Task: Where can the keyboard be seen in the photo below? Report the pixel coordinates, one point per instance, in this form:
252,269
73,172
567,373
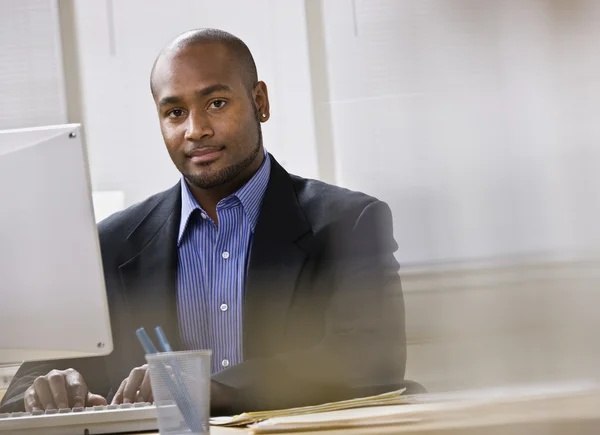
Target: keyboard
111,419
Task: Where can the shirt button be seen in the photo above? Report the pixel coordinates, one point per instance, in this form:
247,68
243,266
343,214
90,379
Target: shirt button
203,215
225,363
225,255
223,307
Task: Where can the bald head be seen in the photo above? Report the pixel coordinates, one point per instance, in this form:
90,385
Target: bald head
236,48
210,105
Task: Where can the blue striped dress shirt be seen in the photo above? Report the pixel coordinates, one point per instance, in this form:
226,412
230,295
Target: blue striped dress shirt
212,268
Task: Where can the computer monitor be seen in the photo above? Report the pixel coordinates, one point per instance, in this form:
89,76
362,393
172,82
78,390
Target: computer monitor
53,301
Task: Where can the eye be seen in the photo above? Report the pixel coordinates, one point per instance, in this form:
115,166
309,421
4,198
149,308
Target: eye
175,113
217,104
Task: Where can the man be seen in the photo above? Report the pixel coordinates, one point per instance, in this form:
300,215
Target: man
291,282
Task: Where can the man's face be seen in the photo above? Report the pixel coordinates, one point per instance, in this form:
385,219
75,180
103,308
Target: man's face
209,120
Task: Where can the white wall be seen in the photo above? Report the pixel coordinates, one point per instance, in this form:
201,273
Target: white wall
476,120
117,42
31,75
489,324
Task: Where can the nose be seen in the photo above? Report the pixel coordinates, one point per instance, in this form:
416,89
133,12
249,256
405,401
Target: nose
198,127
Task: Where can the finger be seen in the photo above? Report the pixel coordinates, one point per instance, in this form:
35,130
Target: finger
76,389
133,384
138,397
151,398
118,397
42,389
95,400
145,388
58,387
32,403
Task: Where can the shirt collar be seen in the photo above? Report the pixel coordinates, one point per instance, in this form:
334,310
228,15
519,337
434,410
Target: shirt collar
250,195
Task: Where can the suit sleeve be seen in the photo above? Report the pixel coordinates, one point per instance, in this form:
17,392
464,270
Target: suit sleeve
364,348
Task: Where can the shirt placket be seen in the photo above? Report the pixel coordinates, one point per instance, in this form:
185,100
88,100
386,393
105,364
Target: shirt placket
224,288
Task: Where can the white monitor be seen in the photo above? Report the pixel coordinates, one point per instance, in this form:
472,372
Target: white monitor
53,300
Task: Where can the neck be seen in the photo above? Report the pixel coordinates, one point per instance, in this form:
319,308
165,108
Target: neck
209,198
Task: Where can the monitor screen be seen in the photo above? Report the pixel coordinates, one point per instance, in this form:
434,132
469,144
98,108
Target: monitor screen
53,301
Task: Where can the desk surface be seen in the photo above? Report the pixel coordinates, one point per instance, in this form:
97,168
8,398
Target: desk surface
585,427
577,415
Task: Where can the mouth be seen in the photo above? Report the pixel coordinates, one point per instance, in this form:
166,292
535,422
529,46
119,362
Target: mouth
205,155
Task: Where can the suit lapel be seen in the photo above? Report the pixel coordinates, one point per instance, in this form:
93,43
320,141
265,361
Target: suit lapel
149,273
277,256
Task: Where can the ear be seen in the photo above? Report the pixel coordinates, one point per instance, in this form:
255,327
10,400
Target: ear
260,95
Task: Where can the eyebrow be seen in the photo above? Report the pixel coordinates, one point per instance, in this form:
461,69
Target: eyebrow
211,89
200,93
168,100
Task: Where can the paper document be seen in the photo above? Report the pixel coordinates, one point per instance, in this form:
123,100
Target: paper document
484,407
340,419
391,398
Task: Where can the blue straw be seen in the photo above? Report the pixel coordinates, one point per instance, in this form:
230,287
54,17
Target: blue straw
178,392
145,341
162,340
166,347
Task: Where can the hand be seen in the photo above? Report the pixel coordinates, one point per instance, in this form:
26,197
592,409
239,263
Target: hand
135,388
60,389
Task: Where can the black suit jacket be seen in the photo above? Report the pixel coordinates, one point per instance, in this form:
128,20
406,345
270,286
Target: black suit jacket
323,315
